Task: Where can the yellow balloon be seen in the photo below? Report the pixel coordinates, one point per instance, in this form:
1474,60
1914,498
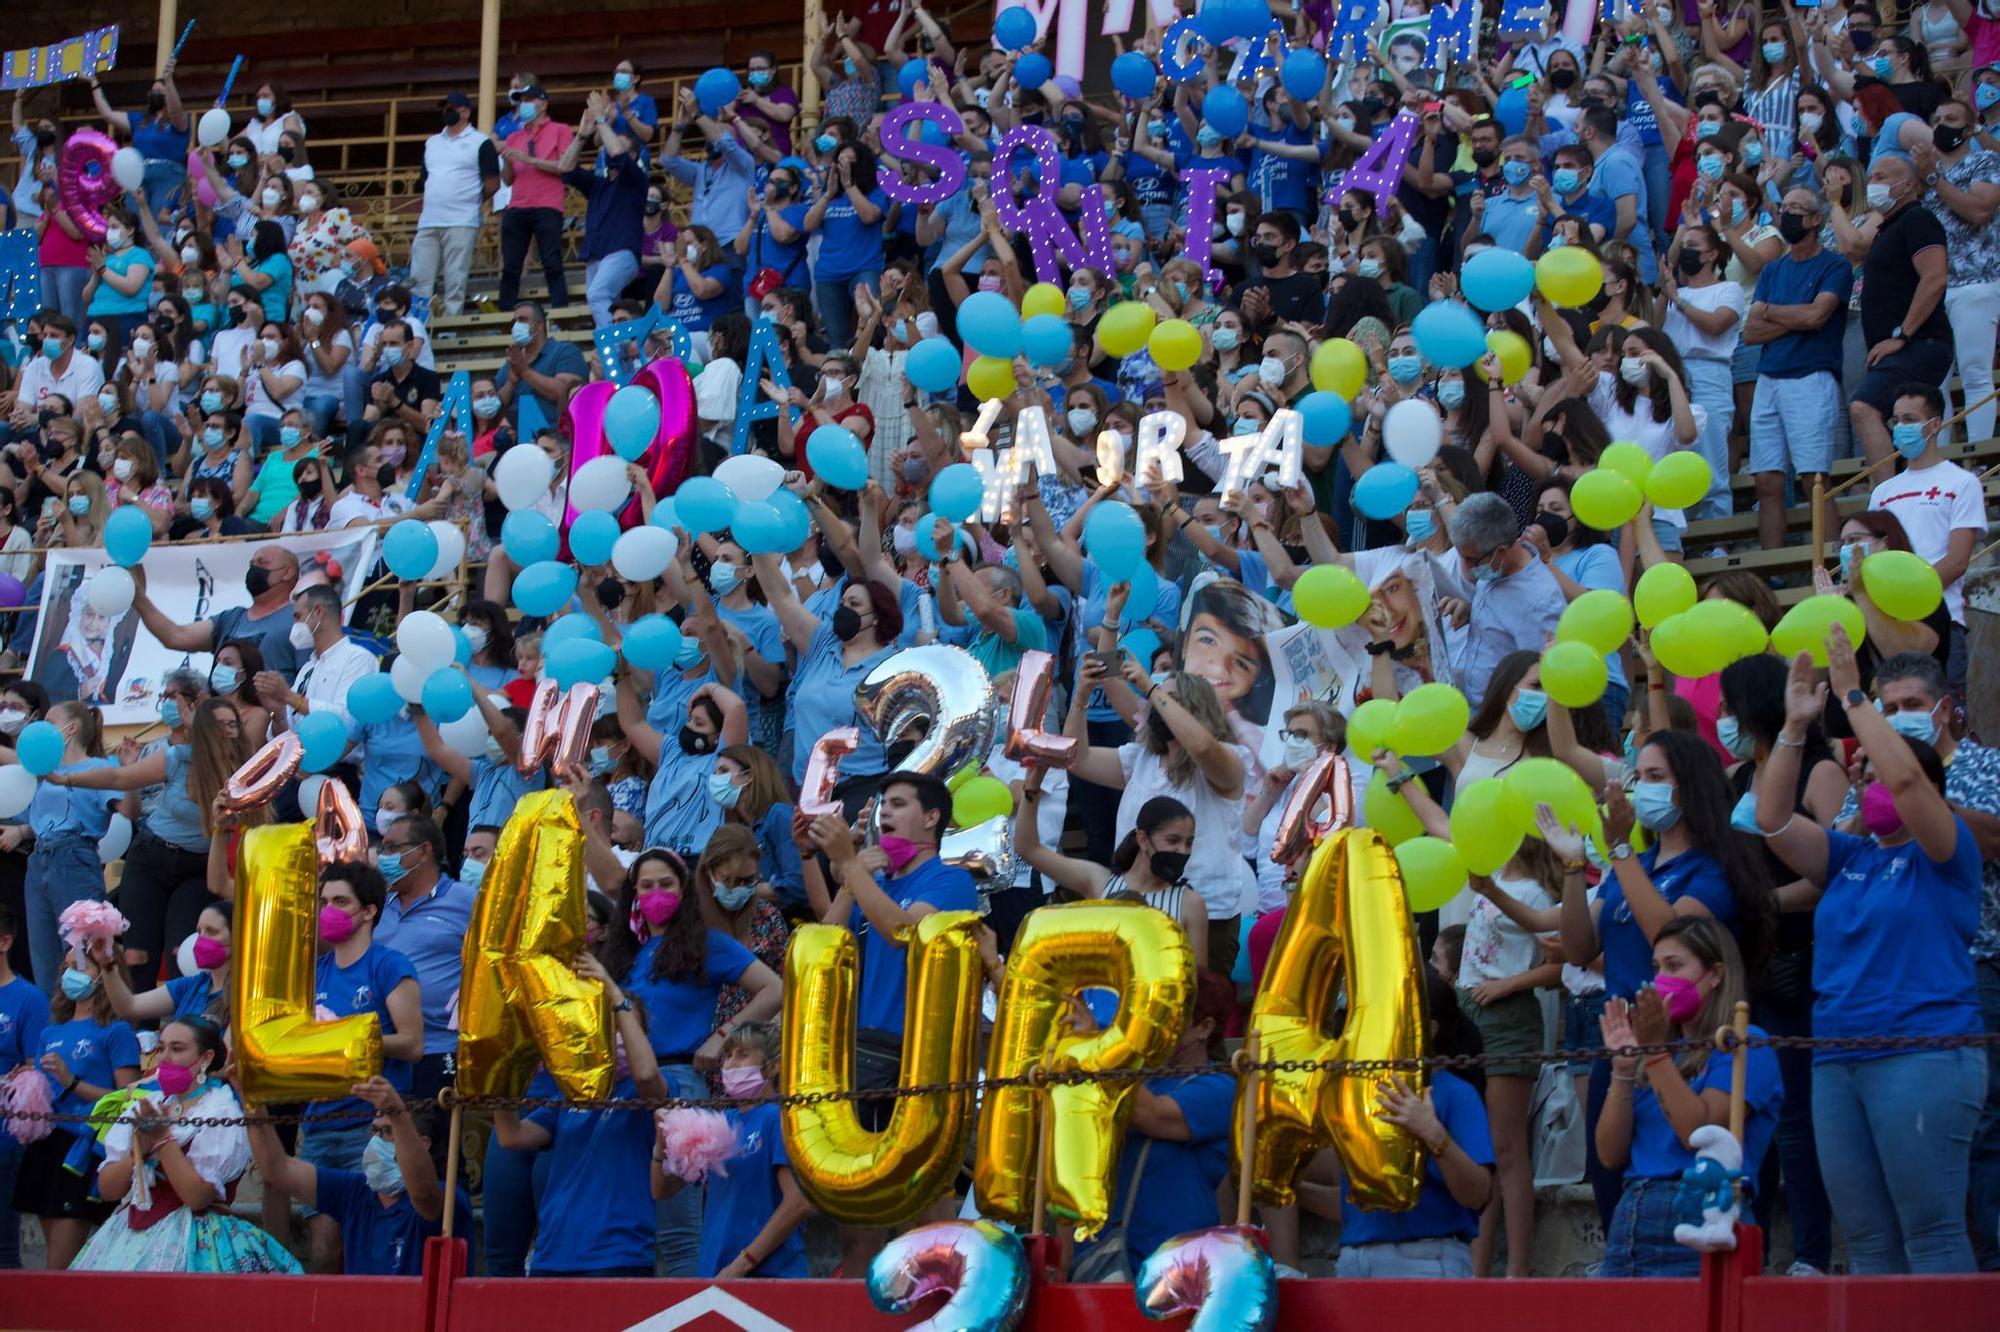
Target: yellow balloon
1370,727
1551,782
1513,353
1330,596
1679,480
1727,630
1429,720
1602,618
1432,872
1574,674
1485,826
1569,276
1339,366
980,799
1628,460
1388,813
1663,590
1805,626
1175,345
1679,646
1043,298
1125,327
1902,585
991,377
1604,499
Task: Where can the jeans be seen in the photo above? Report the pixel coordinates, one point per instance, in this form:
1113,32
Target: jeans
1418,1258
604,279
679,1217
62,289
10,1220
1639,1241
836,304
1617,699
1710,388
1653,162
544,226
442,252
354,398
1985,1175
1907,1118
162,430
323,407
1423,263
337,1145
62,869
511,1186
263,431
1974,311
1606,1185
1796,1161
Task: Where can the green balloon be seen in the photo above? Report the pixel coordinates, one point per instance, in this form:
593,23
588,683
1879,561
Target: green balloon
1370,726
1805,626
1663,590
1485,826
1389,813
1574,674
1430,719
980,799
1601,618
1433,874
1330,596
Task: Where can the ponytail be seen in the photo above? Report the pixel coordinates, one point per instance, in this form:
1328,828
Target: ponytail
1127,853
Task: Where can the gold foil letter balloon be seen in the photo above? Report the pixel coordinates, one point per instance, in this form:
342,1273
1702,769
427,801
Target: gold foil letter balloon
890,1177
1348,923
520,1004
1059,952
282,1053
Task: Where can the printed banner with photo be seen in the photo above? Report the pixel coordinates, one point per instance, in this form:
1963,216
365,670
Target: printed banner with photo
1224,633
77,57
112,661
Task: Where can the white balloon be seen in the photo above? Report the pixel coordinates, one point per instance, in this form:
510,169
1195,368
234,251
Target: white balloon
601,483
212,128
523,476
1412,432
111,590
309,794
117,837
17,788
643,553
451,548
424,638
184,956
467,735
408,675
751,476
128,167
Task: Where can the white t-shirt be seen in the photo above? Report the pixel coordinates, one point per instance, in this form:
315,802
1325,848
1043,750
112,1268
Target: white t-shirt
81,380
1216,868
715,392
1655,437
1495,947
1932,503
351,508
1691,340
232,346
257,400
1050,810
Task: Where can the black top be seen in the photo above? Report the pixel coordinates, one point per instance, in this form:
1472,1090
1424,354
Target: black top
1889,275
1299,298
414,389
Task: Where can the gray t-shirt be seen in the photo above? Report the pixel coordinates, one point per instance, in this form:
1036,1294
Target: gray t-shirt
272,631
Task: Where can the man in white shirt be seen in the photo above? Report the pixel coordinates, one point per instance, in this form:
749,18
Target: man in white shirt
324,678
59,369
461,171
1941,506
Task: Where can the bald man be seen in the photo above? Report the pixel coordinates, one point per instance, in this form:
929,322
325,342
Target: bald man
272,578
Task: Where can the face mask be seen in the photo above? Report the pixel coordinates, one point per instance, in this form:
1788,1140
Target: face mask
52,348
378,1166
723,579
211,401
1516,173
1730,732
115,238
1169,865
1743,817
170,712
265,106
1406,369
1209,138
689,654
1908,437
621,82
1369,268
1225,338
335,925
1528,709
1986,95
694,742
1633,371
901,330
471,871
209,953
223,679
1556,242
1562,80
742,1082
991,282
825,143
836,389
308,203
1271,370
271,197
289,436
901,851
1914,725
1079,298
658,905
904,539
849,68
528,111
1792,228
1682,995
392,866
237,161
1947,138
175,1080
521,333
1878,812
1451,394
1753,152
760,78
1566,180
1421,524
1710,165
386,819
79,505
1081,420
77,984
12,720
391,357
486,408
494,753
1691,263
1880,197
142,347
1233,223
1654,803
109,403
1267,255
723,790
1880,64
1299,751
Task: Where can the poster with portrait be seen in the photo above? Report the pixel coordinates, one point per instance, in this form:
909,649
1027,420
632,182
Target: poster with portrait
1405,43
1224,628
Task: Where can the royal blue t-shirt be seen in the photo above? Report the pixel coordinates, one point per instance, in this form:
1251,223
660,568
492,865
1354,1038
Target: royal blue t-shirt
680,1015
1282,183
597,1209
1152,185
740,1203
696,313
1789,281
1892,935
24,1014
850,246
1659,1153
363,988
377,1240
767,251
1437,1214
822,699
883,963
190,994
93,1054
1628,955
1177,1190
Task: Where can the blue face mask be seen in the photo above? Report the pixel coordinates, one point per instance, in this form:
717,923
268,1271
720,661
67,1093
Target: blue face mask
1908,437
1654,803
1207,137
79,505
1710,165
1735,212
471,871
170,712
1880,64
1421,524
1743,817
288,436
223,679
379,1168
1631,748
1986,95
1451,394
1079,298
621,82
1529,708
52,347
1730,733
723,790
600,761
1914,725
77,984
1753,152
1851,556
1406,369
1774,52
392,867
391,357
1707,129
202,509
734,897
1567,179
1214,531
1157,128
825,143
1517,173
723,578
689,654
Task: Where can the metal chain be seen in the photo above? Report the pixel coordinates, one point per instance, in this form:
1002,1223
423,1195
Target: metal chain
1041,1077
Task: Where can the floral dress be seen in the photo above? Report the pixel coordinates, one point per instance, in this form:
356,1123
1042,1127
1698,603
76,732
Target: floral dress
318,247
768,936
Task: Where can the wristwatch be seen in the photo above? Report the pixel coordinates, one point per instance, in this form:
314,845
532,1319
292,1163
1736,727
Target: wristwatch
1622,851
1897,332
1856,699
624,1004
1381,647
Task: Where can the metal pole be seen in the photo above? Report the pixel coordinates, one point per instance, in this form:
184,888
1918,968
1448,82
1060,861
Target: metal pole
489,60
809,89
1044,1140
1244,1170
451,1168
163,41
1739,1074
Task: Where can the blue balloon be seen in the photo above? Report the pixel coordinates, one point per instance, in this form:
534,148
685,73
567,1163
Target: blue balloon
579,661
651,642
1325,417
1497,279
1032,70
373,699
631,420
989,324
545,587
461,646
447,695
1511,110
1243,18
1214,22
1115,538
1013,28
1449,334
1046,339
41,747
1225,111
526,536
838,456
705,504
128,534
759,528
932,365
957,492
715,90
794,518
323,738
1385,490
665,516
1133,75
410,549
926,538
564,628
592,536
1303,74
910,75
1144,598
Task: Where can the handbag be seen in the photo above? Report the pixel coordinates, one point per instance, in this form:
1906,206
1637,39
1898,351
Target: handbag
1557,1133
1110,1259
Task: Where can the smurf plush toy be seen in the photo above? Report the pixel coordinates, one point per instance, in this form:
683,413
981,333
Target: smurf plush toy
1709,1187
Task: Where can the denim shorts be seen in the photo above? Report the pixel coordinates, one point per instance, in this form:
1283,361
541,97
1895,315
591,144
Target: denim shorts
1791,423
1640,1240
337,1146
1579,1026
1447,1256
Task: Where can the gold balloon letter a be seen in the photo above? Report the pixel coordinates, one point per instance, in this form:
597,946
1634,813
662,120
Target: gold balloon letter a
1349,918
886,1178
281,1051
1059,952
520,1004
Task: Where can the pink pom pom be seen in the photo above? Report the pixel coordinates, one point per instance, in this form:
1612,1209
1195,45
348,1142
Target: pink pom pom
696,1142
87,922
26,1093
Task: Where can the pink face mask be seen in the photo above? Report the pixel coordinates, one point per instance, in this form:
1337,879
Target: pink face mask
992,282
743,1082
1683,997
335,925
901,851
174,1080
1878,811
209,953
658,905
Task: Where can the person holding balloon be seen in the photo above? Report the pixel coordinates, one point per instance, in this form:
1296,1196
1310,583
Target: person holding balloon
491,775
65,824
160,133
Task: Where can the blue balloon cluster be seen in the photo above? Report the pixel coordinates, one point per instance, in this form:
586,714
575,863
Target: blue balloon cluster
631,420
1225,111
322,740
838,457
1013,28
1385,490
957,492
411,548
568,627
1449,334
989,324
651,642
448,694
716,89
932,365
579,661
1497,279
544,588
373,699
1325,418
1032,70
1303,74
527,537
771,526
705,504
1046,339
1115,538
1133,75
592,536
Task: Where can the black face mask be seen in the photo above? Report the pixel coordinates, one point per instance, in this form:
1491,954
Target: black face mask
288,151
450,118
1562,80
1158,731
1863,39
1555,525
45,138
1353,221
1691,264
1792,227
693,742
309,488
156,102
1485,157
653,209
1267,255
846,623
1170,865
1947,137
1371,107
257,580
611,594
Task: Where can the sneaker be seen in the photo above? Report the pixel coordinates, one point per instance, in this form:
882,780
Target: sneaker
1798,1269
1286,1273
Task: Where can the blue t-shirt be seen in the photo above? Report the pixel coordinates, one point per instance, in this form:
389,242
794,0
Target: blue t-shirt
94,1053
1283,183
1639,113
679,813
1659,1153
1437,1214
273,634
1616,175
1593,210
496,789
597,1210
191,995
1511,221
850,246
884,963
1177,1190
1596,567
1892,935
680,1015
822,699
377,1240
767,251
1628,955
363,988
1790,281
777,858
72,810
24,1013
176,818
739,1204
108,300
431,934
276,298
1152,185
391,751
695,313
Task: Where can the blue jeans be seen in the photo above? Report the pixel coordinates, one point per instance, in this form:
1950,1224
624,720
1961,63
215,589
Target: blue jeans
835,299
62,289
263,430
63,869
1710,388
323,407
1640,1241
1418,1259
163,432
1796,1161
604,279
1617,699
1653,164
1423,263
354,398
1908,1118
511,1187
679,1217
1985,1175
10,1220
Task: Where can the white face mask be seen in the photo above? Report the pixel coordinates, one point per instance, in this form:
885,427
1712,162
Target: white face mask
190,255
272,346
271,196
1633,371
1271,370
114,238
315,316
12,720
385,819
301,636
836,390
1298,752
1081,420
122,469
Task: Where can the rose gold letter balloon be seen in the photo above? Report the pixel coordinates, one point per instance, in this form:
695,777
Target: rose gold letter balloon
558,728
